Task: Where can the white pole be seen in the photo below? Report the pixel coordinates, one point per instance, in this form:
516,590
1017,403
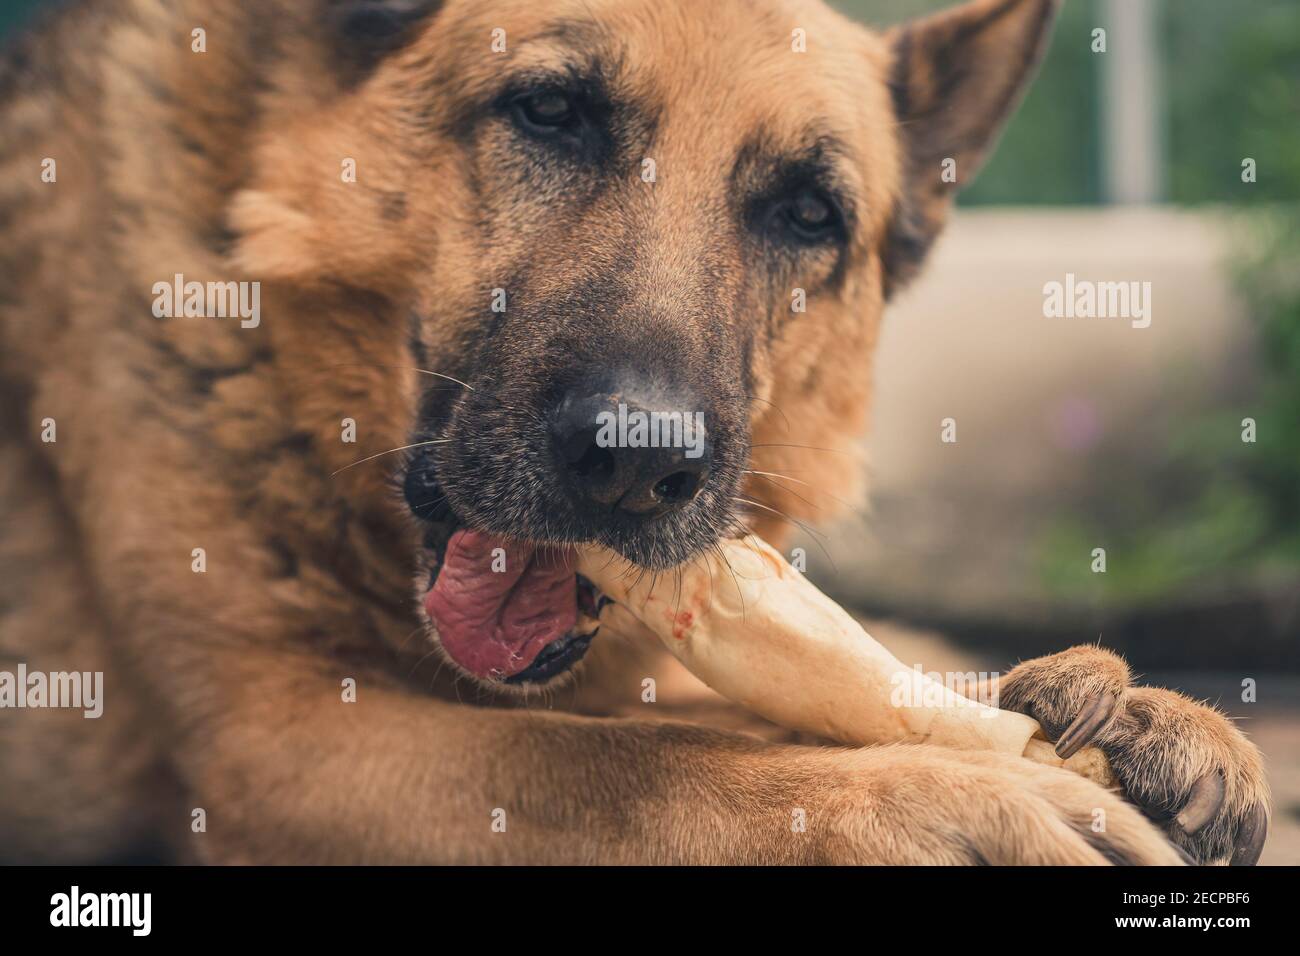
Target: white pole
1133,148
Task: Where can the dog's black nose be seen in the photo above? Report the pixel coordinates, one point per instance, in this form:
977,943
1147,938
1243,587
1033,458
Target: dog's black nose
633,450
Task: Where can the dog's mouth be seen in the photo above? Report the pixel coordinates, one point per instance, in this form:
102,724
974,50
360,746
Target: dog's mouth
510,611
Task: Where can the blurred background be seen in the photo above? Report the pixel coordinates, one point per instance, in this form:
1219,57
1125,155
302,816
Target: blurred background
1078,434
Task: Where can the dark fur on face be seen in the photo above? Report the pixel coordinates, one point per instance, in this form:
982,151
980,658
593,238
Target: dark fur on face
507,204
621,303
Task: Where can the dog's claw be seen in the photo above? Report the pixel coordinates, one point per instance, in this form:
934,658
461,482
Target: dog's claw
1250,837
1091,719
1204,803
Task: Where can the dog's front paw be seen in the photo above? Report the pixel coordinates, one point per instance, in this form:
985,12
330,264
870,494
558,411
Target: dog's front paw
1184,763
928,805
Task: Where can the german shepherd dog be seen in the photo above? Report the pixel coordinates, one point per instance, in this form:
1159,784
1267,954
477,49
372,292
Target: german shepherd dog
474,225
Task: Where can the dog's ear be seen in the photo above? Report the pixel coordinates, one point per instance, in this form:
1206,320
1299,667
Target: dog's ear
956,78
364,31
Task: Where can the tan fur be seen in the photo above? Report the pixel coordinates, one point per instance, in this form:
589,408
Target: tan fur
223,688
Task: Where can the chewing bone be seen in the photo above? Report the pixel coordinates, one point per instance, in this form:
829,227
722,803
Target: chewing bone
756,631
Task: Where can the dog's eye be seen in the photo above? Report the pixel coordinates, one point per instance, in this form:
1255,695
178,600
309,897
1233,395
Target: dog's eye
810,215
544,112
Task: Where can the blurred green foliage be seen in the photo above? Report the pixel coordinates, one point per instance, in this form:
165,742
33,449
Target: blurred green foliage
1269,278
1233,88
1218,515
1231,80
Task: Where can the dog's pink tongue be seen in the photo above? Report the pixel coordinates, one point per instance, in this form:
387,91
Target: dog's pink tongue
496,610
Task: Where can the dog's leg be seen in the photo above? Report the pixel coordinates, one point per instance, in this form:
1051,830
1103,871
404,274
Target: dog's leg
72,788
286,771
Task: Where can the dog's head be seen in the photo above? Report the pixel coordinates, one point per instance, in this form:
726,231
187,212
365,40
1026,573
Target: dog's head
639,250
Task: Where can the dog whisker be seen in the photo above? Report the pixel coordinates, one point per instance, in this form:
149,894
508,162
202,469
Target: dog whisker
416,665
776,408
406,640
779,514
708,565
774,474
442,662
418,444
677,593
811,532
835,451
806,484
404,368
722,554
786,490
770,475
431,504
